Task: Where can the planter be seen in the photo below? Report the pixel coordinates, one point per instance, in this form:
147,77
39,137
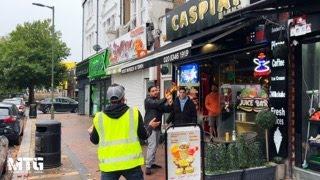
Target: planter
232,175
261,173
280,170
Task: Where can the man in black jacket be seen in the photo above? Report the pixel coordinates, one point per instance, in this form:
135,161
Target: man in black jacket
184,110
115,110
154,107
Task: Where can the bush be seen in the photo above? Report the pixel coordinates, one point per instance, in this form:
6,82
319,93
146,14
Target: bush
220,158
266,119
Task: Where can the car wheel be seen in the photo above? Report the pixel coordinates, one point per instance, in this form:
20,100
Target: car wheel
46,110
75,110
17,141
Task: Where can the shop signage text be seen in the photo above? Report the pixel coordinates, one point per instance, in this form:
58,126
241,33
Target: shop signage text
176,56
98,65
132,68
278,62
82,69
275,44
196,15
173,57
129,46
278,97
299,26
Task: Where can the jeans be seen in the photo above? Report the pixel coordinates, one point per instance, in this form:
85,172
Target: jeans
153,142
130,174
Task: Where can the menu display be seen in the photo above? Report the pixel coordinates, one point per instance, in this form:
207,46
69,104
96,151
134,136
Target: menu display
184,153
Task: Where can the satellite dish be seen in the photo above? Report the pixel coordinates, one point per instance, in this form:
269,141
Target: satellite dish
164,70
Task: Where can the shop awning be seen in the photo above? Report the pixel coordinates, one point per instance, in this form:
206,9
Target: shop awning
181,49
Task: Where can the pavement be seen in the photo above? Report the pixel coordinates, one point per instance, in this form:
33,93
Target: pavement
78,154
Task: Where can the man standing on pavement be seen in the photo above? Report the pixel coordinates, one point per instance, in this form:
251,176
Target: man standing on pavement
117,131
184,110
154,108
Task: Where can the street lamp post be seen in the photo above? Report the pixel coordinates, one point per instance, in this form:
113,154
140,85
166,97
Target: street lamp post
52,55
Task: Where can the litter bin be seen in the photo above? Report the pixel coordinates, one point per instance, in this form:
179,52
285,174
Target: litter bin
48,142
33,111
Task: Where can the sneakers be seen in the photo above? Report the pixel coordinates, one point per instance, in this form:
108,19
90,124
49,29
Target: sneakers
148,171
155,166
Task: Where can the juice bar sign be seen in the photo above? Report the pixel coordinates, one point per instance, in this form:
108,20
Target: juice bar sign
197,15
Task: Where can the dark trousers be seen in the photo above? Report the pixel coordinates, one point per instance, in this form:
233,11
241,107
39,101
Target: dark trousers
130,174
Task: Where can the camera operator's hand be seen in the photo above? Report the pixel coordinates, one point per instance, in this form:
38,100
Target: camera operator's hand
154,123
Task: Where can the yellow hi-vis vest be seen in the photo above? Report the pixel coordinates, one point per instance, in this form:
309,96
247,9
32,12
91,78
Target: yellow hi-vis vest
119,146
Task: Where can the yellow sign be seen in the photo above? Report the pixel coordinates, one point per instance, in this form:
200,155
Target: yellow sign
69,64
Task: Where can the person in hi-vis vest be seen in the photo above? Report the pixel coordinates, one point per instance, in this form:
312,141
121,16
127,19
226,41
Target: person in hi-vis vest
117,131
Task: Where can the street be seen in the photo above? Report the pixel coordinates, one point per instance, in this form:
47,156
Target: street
79,158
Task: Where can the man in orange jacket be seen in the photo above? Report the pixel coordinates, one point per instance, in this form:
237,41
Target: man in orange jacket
212,103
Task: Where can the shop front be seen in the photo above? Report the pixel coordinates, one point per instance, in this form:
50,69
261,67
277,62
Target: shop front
83,84
304,31
99,81
246,57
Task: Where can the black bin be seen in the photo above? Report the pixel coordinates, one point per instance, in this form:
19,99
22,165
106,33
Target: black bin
33,111
48,142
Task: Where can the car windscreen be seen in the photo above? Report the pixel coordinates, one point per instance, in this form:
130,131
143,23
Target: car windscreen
4,111
13,101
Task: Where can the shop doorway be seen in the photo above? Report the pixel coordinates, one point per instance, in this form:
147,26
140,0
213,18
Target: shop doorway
309,80
166,83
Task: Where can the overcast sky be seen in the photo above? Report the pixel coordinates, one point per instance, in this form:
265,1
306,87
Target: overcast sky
68,19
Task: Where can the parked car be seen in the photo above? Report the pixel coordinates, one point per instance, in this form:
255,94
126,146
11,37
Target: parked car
60,104
4,143
11,123
19,102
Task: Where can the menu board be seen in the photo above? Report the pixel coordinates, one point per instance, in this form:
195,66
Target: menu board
278,95
183,153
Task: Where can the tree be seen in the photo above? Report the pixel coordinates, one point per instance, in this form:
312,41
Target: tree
25,57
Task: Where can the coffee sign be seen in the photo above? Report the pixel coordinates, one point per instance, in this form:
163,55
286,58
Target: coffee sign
197,15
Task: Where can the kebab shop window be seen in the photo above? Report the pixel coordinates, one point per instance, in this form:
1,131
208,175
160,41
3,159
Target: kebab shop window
243,85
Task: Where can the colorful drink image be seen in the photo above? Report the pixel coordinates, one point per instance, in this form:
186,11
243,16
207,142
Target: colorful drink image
183,157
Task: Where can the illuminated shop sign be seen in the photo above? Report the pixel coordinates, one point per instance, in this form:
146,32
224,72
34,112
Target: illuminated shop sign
262,70
254,100
197,15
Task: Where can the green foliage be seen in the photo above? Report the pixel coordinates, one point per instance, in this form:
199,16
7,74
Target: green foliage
25,57
220,158
242,152
255,155
265,119
233,157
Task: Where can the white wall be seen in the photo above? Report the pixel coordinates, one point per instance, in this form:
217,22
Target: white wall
89,27
108,20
